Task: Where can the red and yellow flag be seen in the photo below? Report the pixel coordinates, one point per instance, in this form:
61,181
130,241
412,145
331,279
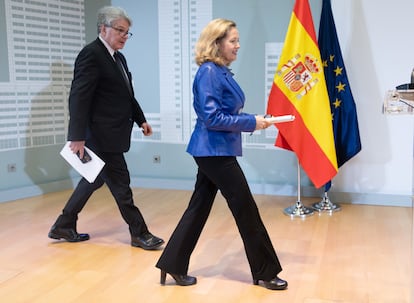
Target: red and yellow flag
299,89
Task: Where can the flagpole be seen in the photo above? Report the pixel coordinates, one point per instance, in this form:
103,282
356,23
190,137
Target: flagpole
298,210
326,205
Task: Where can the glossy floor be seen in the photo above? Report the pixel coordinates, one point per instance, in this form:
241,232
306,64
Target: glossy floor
359,254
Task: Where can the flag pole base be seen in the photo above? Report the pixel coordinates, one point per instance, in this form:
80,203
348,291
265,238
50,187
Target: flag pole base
298,210
326,205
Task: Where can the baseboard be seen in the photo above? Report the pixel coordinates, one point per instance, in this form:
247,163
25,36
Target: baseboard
259,189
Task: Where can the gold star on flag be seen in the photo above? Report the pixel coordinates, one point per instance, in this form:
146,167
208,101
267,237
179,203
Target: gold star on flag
331,58
338,71
340,87
337,103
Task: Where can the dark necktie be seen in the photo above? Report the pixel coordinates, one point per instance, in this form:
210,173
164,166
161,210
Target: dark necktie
123,71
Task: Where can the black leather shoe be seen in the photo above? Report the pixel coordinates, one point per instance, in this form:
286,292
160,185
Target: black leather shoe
69,234
147,241
274,284
182,280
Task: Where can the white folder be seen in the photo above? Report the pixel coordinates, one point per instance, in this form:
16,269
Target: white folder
89,170
281,119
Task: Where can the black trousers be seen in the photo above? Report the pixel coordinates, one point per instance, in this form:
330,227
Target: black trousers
224,174
116,176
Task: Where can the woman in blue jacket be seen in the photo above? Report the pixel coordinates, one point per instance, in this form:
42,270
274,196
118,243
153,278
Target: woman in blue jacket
215,143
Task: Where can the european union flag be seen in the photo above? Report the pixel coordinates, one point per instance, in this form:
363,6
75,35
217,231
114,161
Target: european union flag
343,109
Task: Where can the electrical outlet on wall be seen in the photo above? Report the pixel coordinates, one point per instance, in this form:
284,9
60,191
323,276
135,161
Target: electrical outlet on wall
11,167
156,159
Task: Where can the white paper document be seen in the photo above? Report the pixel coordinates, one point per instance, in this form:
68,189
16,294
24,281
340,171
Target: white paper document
280,119
89,170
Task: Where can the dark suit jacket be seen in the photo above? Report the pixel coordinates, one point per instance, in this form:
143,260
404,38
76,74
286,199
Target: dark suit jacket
102,110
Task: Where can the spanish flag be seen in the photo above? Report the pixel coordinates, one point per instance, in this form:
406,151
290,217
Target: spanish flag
299,89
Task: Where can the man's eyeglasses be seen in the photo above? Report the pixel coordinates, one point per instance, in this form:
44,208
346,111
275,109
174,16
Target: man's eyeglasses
121,32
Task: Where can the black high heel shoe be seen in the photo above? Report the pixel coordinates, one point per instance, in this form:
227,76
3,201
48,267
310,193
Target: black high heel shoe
274,284
182,280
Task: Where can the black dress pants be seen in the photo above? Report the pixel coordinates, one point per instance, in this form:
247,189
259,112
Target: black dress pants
224,174
116,176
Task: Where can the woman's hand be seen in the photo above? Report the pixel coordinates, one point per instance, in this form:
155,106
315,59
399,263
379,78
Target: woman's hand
261,123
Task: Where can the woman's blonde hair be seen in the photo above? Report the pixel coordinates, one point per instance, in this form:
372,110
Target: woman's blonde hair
206,48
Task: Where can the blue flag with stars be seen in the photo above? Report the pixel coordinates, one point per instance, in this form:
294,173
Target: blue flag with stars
343,109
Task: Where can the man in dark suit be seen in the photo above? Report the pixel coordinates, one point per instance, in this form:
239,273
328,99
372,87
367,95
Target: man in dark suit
102,111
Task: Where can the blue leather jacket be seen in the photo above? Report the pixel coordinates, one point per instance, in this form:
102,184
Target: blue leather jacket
218,103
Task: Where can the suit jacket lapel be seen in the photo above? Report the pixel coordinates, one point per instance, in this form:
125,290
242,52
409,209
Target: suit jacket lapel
229,76
122,67
115,66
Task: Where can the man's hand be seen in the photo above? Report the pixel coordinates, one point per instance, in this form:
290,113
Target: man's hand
146,129
77,146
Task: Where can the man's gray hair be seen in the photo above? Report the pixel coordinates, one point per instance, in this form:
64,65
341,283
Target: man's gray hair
108,14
